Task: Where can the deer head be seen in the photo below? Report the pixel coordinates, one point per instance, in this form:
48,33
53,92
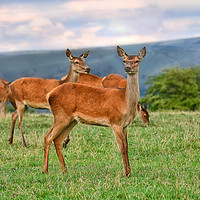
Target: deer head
131,62
78,63
143,113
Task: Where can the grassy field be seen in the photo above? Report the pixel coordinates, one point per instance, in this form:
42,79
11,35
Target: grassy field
164,158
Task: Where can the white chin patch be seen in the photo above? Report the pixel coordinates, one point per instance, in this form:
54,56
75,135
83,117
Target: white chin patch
133,72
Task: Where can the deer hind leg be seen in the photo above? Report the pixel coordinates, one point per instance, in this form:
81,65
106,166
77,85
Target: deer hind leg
123,147
58,144
56,130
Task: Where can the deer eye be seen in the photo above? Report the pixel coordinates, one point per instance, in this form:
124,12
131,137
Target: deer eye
76,62
124,61
137,61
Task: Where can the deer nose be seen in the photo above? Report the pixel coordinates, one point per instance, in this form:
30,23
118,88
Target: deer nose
127,69
87,70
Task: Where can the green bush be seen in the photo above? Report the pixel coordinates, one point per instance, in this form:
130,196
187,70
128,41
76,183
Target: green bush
174,89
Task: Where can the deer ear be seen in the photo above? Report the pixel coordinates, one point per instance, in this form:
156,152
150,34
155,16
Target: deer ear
84,55
69,54
142,53
121,52
4,84
138,106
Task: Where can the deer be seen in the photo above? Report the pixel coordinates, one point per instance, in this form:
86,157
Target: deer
113,81
110,81
3,96
71,103
31,91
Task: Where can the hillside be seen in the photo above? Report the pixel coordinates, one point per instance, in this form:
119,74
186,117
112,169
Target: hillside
103,61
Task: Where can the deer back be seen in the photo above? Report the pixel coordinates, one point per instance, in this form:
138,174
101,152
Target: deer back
90,79
114,80
32,90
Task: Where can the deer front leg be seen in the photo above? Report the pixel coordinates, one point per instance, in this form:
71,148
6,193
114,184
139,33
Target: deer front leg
20,111
14,118
126,148
119,136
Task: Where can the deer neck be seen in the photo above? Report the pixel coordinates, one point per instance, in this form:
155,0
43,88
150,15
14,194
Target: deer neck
72,76
132,93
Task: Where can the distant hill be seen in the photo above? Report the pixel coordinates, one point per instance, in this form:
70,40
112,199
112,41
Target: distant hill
103,61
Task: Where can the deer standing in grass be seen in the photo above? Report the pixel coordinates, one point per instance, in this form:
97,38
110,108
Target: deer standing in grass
111,81
3,96
31,92
71,103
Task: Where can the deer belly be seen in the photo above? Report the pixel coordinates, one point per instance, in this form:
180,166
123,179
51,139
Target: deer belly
92,120
38,105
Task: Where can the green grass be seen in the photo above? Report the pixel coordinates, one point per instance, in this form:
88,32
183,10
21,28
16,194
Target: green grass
164,159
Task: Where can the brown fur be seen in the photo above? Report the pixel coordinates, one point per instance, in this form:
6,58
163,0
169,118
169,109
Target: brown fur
110,81
143,113
115,80
71,103
31,92
3,96
89,79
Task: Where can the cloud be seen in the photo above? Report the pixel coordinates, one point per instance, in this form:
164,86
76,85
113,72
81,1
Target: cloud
59,24
181,27
171,4
103,5
15,14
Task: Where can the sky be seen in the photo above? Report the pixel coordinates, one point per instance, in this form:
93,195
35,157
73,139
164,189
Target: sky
61,24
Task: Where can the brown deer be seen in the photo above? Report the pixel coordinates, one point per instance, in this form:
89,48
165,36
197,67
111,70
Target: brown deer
71,103
113,81
110,81
31,92
3,96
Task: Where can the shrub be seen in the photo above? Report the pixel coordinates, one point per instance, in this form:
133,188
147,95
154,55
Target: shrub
174,89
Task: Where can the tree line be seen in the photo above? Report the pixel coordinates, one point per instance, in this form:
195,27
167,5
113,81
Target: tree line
174,89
